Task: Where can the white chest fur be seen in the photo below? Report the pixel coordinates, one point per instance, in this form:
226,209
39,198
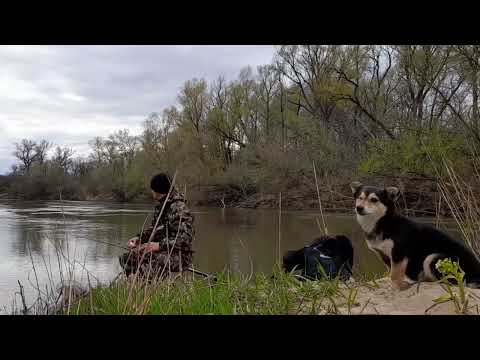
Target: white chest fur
367,222
385,246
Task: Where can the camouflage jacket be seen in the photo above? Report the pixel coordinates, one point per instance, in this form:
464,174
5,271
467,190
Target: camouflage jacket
175,227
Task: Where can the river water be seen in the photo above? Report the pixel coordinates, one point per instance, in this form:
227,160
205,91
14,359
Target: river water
35,235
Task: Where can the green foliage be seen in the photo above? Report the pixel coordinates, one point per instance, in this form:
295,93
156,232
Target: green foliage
451,272
413,154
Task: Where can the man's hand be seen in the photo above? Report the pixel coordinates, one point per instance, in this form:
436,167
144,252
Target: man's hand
149,247
133,242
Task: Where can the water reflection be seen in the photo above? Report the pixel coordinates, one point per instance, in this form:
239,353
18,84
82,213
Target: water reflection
35,232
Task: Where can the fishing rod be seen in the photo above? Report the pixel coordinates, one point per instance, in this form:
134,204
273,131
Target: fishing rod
192,270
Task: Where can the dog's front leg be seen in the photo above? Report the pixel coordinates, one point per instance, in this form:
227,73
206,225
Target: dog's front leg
386,259
397,274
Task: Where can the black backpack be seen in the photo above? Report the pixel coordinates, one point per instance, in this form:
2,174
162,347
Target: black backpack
318,265
329,256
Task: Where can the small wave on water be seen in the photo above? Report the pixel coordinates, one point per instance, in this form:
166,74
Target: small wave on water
75,211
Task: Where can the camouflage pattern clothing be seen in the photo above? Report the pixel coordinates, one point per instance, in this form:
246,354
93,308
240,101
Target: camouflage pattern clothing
174,233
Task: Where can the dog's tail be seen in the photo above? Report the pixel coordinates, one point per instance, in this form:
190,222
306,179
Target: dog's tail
430,272
474,283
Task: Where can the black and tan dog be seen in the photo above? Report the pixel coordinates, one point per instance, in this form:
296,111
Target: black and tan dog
409,249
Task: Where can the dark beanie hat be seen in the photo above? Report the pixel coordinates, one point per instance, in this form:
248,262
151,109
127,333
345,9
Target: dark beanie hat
160,183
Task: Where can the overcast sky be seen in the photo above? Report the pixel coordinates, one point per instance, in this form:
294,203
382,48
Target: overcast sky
70,94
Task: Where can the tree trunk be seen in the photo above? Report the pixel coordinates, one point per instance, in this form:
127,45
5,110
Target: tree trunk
475,119
282,111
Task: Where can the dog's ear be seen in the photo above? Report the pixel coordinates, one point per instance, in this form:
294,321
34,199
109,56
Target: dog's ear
393,193
355,185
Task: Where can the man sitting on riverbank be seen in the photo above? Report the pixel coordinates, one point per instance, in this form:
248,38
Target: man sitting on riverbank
169,249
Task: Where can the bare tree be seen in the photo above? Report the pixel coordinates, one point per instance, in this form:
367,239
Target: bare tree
472,56
218,121
81,167
41,150
266,93
14,169
125,143
194,99
63,158
104,150
420,70
309,68
364,73
469,70
25,152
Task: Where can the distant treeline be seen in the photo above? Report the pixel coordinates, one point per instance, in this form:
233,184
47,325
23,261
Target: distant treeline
386,114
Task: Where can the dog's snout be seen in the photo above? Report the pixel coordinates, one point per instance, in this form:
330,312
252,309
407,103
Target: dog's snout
359,209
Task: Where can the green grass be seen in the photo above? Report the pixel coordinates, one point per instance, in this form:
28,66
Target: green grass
229,295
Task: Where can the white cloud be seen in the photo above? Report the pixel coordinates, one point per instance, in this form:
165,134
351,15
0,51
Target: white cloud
73,97
70,94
